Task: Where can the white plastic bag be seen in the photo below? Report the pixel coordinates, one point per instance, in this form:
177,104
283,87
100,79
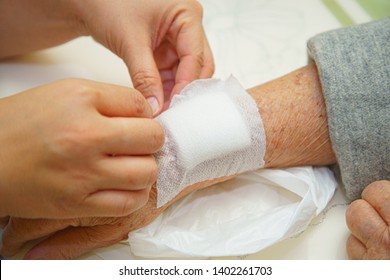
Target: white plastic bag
237,217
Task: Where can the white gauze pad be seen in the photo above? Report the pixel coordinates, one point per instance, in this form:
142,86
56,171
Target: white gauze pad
212,129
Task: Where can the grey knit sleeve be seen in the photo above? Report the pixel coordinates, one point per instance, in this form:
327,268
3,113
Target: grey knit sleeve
354,69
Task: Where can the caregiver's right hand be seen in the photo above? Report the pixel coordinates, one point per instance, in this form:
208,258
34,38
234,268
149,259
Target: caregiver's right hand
76,148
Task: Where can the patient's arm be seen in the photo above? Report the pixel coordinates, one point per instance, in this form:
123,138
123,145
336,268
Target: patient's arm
294,116
295,120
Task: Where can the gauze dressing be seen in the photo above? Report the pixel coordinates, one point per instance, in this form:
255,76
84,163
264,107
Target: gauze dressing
212,129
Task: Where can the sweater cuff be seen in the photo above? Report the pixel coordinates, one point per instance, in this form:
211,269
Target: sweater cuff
354,70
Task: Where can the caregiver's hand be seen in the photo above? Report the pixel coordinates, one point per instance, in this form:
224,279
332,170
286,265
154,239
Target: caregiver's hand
162,42
76,148
369,221
71,238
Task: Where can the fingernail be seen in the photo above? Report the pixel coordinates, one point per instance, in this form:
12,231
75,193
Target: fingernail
153,104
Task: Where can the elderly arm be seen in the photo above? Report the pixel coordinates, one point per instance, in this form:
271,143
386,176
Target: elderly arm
295,120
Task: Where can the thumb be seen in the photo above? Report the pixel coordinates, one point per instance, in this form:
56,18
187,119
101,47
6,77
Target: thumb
145,75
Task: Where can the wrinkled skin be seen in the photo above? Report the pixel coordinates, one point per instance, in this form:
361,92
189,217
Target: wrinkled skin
71,238
369,222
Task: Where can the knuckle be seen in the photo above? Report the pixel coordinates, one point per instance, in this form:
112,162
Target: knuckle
190,9
78,88
77,140
76,136
71,141
199,59
145,81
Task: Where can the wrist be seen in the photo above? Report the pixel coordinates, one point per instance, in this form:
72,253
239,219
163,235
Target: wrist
295,120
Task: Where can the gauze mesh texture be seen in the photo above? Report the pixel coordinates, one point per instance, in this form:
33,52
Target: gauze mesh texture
212,129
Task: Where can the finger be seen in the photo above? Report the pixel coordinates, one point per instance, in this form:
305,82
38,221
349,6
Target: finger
133,136
168,81
114,203
72,243
166,56
119,101
21,231
363,221
190,50
18,232
208,61
378,195
144,73
127,173
356,250
167,60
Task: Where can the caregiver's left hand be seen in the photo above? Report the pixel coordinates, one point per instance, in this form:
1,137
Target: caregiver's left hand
162,42
71,238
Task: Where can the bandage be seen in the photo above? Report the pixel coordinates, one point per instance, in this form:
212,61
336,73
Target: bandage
212,129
